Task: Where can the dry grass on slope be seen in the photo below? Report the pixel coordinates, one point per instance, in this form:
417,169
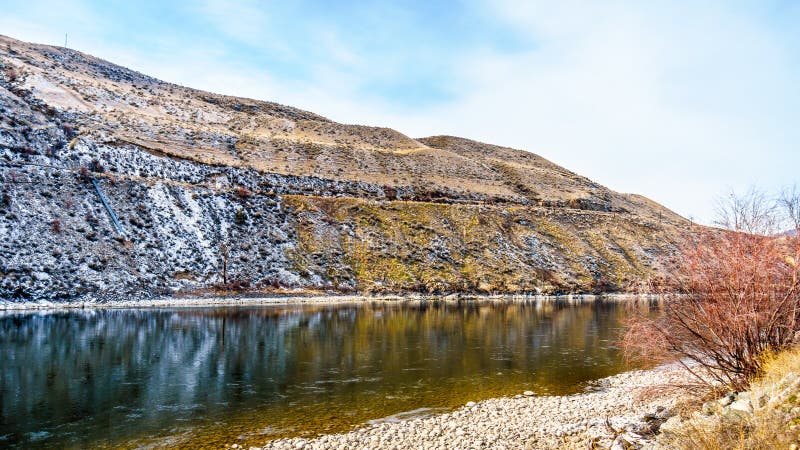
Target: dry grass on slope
429,247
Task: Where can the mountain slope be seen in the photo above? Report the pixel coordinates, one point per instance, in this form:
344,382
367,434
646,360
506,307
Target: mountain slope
216,192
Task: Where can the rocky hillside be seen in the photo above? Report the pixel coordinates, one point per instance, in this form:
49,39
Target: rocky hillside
219,194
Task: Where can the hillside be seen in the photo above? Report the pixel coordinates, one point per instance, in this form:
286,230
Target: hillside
217,193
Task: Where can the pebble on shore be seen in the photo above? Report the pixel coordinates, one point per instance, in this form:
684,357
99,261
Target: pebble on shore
610,416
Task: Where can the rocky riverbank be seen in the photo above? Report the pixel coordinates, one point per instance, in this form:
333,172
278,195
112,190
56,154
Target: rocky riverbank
300,298
615,413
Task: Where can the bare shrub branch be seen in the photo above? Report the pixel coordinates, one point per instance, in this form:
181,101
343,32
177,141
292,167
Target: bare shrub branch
750,213
789,202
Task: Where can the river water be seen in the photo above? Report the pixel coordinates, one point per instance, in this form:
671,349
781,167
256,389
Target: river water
204,377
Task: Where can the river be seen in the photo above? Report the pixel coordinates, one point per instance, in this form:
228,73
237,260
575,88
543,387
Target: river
204,377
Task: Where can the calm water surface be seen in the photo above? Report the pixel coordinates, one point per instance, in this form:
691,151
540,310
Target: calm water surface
197,377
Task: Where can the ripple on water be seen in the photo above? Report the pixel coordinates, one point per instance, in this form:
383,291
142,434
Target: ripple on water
38,435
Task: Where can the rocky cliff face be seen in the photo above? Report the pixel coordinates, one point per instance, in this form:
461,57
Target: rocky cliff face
216,193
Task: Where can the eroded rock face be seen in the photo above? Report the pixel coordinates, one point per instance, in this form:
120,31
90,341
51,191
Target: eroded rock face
216,192
183,221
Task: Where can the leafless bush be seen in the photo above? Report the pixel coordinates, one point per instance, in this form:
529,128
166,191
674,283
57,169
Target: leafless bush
97,166
739,297
390,192
239,285
90,218
751,213
56,226
240,217
789,202
85,174
11,74
242,192
69,131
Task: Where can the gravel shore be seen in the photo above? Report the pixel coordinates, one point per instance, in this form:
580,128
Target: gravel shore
612,414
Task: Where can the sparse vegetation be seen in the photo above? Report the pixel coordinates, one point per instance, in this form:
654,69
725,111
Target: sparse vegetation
462,225
84,174
233,286
242,192
11,74
429,247
240,217
69,132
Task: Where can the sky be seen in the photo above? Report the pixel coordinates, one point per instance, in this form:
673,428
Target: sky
679,101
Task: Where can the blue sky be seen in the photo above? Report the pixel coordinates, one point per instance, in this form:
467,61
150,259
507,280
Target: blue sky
679,101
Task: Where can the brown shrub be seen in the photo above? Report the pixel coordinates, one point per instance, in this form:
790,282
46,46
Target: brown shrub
97,166
69,131
239,285
11,74
242,192
84,174
390,192
739,298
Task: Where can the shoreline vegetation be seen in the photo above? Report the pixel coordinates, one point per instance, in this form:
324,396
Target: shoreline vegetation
294,299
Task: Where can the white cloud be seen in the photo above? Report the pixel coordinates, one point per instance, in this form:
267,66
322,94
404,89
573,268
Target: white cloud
249,22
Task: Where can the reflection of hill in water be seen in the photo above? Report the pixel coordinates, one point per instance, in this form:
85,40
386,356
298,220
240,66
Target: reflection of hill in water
115,375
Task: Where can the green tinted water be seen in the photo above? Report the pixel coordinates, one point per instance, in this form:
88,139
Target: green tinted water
206,377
